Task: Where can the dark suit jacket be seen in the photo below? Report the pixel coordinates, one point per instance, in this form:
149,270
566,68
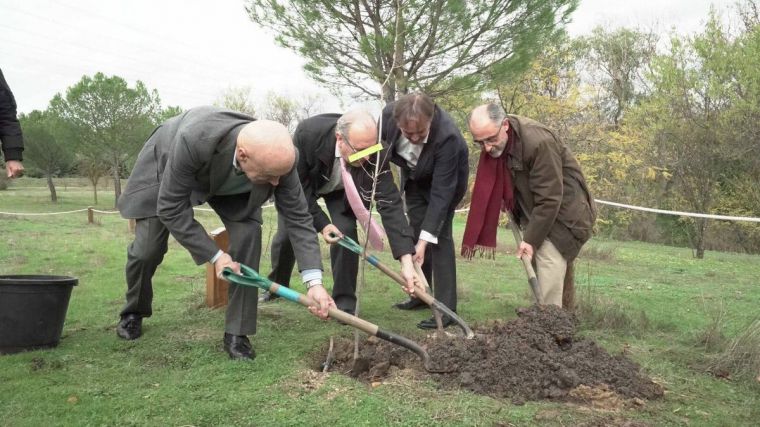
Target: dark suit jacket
11,139
315,139
183,164
442,169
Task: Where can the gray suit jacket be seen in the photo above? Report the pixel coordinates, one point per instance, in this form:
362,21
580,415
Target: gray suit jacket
183,164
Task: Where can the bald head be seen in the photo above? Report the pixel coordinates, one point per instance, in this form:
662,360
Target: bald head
265,151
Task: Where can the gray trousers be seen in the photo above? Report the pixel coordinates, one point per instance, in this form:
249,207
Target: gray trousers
344,263
440,267
147,251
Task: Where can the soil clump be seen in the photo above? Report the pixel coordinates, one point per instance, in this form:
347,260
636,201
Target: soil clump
535,356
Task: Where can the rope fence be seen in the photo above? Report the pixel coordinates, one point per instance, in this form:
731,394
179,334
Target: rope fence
91,210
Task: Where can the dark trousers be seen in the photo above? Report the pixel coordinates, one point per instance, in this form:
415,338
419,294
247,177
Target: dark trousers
440,267
344,263
146,252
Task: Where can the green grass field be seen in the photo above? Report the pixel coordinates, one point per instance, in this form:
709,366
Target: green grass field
653,302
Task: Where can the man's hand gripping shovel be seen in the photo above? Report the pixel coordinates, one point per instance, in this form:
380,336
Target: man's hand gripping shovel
423,293
249,277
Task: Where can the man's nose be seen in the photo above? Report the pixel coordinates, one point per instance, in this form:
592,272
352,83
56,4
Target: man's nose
488,148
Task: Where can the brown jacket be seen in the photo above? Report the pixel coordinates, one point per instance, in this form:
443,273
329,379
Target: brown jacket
551,195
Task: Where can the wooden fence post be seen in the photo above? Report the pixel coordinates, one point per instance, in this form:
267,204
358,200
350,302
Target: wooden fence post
216,288
90,215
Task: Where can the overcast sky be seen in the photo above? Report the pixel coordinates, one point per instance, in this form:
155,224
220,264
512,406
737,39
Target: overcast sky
192,50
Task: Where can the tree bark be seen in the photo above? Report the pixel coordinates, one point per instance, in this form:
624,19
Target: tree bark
51,187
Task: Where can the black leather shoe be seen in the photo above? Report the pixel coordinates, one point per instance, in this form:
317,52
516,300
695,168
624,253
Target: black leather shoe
238,347
411,304
446,321
129,327
268,297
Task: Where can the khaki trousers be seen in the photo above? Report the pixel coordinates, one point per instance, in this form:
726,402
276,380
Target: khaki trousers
550,270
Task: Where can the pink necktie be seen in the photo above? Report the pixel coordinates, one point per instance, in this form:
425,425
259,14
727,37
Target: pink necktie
375,231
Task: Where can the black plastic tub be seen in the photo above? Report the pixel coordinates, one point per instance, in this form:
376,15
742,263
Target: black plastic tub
32,311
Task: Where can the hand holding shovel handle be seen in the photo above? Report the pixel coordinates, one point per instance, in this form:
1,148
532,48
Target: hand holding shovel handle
249,277
423,293
532,279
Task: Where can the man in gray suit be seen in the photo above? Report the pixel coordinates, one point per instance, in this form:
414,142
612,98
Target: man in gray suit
234,163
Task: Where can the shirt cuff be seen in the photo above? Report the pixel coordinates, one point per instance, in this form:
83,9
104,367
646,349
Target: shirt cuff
311,274
424,235
216,257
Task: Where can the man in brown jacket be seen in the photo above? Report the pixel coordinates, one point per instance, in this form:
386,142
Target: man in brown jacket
545,189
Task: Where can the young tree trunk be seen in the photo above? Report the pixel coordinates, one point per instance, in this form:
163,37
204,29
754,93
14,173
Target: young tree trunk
51,187
701,228
116,185
94,181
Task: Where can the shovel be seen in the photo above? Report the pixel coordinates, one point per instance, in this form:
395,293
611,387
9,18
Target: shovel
249,277
420,292
532,279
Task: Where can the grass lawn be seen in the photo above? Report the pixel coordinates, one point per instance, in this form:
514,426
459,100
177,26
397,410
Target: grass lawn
652,302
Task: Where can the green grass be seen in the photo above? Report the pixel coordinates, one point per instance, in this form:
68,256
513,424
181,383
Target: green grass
178,375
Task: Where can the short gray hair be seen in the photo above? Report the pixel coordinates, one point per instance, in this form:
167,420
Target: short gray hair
347,120
494,111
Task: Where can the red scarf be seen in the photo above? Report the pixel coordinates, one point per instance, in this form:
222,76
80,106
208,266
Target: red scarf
493,192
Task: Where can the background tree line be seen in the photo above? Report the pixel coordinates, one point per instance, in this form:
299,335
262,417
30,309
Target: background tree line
661,121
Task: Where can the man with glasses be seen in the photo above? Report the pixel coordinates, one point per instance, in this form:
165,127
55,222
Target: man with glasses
325,141
432,156
526,169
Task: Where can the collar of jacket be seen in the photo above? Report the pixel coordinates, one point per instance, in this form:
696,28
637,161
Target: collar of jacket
221,161
516,152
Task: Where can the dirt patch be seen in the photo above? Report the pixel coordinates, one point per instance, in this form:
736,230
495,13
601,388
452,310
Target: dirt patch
536,356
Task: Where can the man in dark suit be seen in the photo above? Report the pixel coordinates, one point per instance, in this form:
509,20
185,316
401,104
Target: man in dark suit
234,163
433,158
322,141
11,139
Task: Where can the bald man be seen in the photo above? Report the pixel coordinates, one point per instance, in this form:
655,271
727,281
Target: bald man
322,141
234,163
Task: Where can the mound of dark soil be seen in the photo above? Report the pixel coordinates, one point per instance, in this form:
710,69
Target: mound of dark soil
535,356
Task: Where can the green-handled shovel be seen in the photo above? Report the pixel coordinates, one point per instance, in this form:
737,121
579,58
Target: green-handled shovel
423,294
249,277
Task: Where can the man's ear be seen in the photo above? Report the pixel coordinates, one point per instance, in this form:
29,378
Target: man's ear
241,154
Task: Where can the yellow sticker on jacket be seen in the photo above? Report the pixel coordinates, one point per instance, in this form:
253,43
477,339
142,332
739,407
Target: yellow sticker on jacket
366,152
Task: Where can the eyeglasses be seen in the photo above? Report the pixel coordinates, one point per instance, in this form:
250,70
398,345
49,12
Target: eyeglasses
349,145
491,140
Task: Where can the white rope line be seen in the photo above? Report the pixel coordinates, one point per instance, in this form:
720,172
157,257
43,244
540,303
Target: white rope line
678,213
41,213
603,202
662,211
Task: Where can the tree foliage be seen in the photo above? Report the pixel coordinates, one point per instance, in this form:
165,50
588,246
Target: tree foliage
617,61
108,120
43,149
437,46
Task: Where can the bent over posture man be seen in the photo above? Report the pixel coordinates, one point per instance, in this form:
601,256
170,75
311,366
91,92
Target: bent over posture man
525,168
233,163
326,142
432,156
